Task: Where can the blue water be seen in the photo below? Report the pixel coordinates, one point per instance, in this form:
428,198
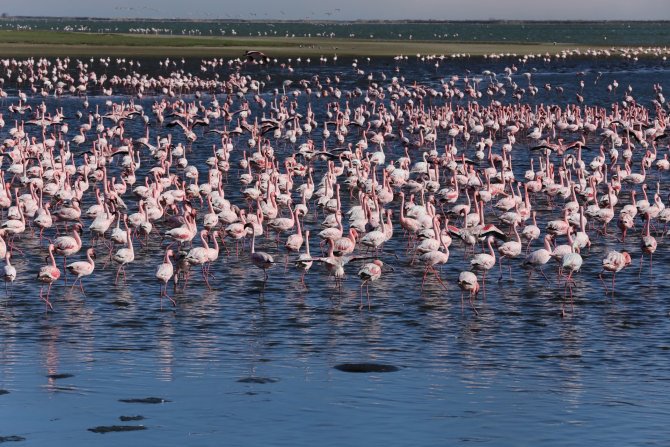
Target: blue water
251,364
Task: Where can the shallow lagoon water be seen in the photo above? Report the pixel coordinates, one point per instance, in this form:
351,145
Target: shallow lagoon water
248,364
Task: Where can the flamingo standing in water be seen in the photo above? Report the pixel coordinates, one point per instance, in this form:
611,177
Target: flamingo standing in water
48,274
536,259
68,245
9,272
484,262
305,261
435,257
371,271
572,262
467,282
164,274
260,259
614,262
124,256
82,268
510,250
648,245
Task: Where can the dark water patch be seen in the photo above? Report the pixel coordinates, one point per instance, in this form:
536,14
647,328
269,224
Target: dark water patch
126,348
12,438
366,368
60,376
116,428
616,403
298,325
412,323
60,389
2,392
131,418
259,380
559,356
145,400
128,324
121,303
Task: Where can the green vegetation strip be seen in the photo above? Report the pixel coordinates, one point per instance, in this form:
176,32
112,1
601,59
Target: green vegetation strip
52,43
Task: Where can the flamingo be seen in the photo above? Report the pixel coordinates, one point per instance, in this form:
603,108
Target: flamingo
538,258
648,245
467,282
164,274
48,274
435,257
260,259
572,262
124,256
294,242
614,262
68,245
484,261
305,261
200,256
8,272
82,268
510,250
370,272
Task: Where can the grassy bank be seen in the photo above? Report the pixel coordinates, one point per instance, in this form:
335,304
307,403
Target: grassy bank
46,43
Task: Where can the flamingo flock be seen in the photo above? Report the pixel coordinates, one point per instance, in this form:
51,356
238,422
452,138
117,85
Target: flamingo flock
388,172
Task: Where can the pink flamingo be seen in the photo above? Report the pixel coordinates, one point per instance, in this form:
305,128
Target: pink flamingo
614,262
124,256
435,257
371,271
260,259
48,274
648,245
82,268
467,282
164,274
484,262
8,272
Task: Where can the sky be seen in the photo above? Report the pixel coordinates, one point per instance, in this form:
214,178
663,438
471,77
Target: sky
349,9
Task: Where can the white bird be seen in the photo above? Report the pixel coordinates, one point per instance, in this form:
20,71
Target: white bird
260,259
371,271
572,262
124,256
614,262
305,261
467,282
164,274
484,261
82,268
9,272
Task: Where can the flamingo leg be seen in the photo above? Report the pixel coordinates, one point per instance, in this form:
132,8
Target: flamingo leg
437,275
472,302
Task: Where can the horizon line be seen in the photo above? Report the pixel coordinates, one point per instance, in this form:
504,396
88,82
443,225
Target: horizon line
6,16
